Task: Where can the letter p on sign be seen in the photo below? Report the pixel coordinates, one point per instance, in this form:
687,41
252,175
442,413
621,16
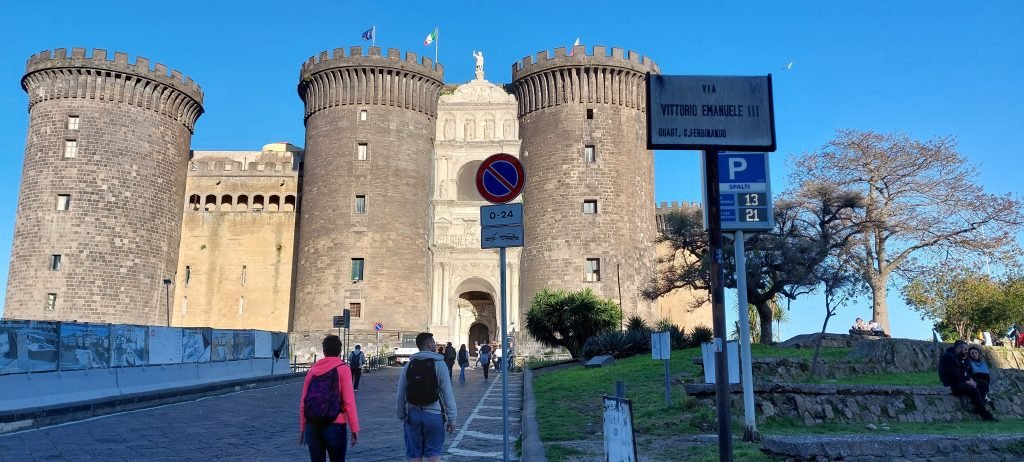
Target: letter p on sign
736,165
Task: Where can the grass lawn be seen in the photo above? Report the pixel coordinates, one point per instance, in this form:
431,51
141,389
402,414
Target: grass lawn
569,408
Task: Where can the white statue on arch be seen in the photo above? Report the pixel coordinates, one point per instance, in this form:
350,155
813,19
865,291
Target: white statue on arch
479,55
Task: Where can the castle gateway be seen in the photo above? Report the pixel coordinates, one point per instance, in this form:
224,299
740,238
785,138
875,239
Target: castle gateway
377,214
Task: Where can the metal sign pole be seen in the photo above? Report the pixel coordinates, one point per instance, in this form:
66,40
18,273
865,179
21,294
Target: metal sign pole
504,355
711,188
749,422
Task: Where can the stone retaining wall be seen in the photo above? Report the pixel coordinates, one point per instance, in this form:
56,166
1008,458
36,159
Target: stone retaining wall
858,404
894,448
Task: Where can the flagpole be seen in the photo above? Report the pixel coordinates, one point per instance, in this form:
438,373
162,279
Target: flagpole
437,42
374,37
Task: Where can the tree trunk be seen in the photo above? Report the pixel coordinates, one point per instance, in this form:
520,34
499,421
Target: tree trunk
879,308
817,348
764,315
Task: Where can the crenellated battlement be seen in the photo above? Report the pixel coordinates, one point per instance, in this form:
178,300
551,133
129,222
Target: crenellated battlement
666,207
596,77
337,79
99,60
245,163
55,75
596,56
373,57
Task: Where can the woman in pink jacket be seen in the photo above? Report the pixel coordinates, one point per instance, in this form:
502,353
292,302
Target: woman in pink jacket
327,409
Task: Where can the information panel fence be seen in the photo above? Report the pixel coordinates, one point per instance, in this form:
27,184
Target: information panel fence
44,346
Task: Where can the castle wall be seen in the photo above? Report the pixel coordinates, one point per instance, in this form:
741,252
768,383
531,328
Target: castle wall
391,235
555,94
678,306
238,240
125,181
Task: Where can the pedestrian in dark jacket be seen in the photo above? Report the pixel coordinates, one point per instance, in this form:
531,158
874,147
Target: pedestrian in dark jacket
955,375
449,358
463,362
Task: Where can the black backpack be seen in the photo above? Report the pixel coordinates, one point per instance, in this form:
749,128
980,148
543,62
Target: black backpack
323,400
421,382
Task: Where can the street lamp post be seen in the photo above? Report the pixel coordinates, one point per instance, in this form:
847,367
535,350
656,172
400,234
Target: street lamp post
167,300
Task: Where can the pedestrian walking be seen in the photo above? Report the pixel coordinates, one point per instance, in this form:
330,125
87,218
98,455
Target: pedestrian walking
497,359
463,363
449,358
425,402
327,408
485,358
356,360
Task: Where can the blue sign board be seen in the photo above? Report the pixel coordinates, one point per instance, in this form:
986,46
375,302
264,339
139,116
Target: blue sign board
745,196
501,226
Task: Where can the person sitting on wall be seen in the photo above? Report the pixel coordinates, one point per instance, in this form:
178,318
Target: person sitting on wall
860,328
978,370
954,374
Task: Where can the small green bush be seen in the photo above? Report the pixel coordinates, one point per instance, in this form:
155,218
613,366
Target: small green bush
701,334
678,337
618,344
636,323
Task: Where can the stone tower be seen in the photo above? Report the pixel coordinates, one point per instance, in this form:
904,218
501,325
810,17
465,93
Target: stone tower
102,191
589,195
367,180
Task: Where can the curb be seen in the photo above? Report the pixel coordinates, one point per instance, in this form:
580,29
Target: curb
37,417
533,448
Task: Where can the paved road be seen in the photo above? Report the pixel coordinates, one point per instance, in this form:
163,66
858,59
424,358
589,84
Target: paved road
263,425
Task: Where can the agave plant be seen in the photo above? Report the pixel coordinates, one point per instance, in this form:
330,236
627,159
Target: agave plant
636,323
701,334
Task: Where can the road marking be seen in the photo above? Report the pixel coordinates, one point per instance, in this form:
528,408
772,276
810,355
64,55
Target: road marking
468,453
486,436
472,415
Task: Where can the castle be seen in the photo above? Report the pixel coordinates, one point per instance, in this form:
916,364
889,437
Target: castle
120,221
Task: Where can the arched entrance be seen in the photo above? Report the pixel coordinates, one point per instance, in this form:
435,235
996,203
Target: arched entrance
478,334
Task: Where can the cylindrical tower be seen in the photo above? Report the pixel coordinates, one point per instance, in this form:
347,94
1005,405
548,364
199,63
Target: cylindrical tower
589,195
363,222
102,190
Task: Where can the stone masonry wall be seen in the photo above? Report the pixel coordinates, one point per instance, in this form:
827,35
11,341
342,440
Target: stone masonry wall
400,100
238,240
554,95
119,237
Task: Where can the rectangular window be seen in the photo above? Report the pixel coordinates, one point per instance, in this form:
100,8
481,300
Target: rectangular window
590,206
593,270
70,149
355,310
72,122
54,262
360,204
357,269
184,305
589,154
363,115
590,114
362,152
188,275
51,301
243,275
241,304
63,202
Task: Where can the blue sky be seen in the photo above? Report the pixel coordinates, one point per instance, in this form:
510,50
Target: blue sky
928,68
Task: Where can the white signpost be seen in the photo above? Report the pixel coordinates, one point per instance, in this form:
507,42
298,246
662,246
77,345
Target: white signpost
619,440
661,348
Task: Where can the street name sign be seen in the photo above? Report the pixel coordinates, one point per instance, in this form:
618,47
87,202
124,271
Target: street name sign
710,112
746,197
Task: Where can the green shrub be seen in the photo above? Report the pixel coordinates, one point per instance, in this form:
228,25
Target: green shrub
701,334
678,337
638,342
618,344
663,324
636,323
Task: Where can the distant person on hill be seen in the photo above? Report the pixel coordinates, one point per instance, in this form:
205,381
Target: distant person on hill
979,370
953,373
875,328
860,327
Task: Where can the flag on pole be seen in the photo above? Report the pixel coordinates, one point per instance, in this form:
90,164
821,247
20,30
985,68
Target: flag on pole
430,37
574,44
370,33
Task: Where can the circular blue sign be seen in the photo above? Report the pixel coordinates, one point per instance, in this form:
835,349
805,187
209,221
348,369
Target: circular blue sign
500,178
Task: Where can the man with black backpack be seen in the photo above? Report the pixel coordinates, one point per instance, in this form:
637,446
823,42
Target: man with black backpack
425,402
356,359
327,408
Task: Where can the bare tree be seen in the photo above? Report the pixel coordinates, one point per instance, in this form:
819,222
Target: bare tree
921,201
